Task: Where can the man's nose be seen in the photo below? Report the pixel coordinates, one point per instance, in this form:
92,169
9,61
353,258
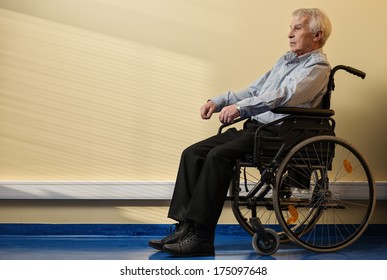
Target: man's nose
290,34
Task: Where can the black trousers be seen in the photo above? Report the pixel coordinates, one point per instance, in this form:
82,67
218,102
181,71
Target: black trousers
204,175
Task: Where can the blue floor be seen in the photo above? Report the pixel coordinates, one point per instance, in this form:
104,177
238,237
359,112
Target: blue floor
129,242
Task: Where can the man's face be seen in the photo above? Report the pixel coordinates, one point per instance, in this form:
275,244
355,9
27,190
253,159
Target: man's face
301,39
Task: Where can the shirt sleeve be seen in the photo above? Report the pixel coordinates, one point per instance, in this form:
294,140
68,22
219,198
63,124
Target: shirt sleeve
303,88
231,97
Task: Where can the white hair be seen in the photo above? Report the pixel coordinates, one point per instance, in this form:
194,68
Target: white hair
318,21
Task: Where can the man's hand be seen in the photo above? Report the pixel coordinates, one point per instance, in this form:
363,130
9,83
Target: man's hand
228,114
207,110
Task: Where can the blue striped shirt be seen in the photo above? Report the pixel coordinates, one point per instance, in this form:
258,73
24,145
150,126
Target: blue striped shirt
294,81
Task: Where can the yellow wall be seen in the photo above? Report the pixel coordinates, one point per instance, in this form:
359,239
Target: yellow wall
110,90
99,90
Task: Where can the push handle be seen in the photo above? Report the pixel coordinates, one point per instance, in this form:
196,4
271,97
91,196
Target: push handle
349,69
356,72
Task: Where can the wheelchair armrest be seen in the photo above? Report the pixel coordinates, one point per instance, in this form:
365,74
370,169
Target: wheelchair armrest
295,111
228,124
304,111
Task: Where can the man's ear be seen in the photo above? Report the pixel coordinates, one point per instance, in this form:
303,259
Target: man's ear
318,36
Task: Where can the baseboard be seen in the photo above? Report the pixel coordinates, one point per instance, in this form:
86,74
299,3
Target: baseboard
118,190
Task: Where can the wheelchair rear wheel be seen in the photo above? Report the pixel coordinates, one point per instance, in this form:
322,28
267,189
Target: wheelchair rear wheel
324,194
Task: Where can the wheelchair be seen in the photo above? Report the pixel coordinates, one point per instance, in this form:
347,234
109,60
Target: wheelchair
304,184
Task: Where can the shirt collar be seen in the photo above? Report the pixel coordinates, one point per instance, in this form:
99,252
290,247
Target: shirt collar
291,57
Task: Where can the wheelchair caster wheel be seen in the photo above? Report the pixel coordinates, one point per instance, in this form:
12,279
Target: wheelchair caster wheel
266,248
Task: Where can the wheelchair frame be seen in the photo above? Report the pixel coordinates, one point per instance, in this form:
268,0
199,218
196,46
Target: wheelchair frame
319,186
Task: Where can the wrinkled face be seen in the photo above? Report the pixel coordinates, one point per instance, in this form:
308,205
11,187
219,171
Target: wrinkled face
301,39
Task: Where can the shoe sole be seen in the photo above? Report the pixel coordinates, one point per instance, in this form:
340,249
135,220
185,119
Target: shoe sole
198,254
156,247
193,255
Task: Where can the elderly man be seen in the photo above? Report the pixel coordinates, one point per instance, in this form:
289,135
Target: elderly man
298,79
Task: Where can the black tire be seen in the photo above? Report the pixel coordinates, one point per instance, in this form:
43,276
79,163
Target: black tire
270,247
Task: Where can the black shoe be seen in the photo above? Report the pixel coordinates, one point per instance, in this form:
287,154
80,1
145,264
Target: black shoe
191,246
180,231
